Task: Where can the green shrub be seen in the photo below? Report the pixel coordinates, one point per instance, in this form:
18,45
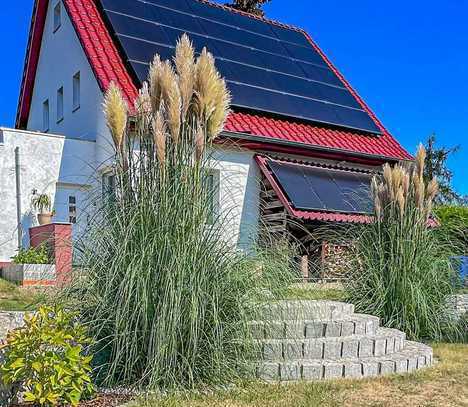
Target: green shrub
401,270
33,255
454,226
45,358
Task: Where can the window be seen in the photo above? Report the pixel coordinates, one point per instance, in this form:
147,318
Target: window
57,16
212,187
108,187
45,116
72,209
60,105
76,91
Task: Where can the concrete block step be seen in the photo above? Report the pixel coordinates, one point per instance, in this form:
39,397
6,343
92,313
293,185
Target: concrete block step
304,309
385,341
354,324
412,357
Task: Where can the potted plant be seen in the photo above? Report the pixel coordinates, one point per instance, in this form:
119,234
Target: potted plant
43,204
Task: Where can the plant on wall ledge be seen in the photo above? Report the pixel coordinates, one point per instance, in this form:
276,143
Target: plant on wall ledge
43,204
32,255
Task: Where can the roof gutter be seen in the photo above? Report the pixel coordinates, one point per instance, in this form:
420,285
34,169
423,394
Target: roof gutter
310,147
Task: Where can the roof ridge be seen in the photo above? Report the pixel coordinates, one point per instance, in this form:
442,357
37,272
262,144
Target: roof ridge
250,15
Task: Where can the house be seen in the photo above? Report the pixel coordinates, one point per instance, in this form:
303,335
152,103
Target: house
299,147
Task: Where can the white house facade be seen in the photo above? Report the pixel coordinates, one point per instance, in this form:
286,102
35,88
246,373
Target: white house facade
77,47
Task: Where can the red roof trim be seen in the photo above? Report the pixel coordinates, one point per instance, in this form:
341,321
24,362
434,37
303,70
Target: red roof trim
31,59
307,215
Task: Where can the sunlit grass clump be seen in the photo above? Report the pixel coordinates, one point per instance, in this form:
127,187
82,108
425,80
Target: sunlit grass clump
400,269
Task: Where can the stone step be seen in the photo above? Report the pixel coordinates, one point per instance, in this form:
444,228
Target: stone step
412,357
354,324
304,309
385,341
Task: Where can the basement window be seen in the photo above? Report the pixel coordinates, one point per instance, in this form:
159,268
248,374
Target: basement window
45,116
76,91
60,105
57,16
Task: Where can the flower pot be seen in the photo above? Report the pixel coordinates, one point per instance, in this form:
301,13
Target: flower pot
44,218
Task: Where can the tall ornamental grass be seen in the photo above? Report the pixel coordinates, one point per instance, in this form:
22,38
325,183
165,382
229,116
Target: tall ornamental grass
400,269
166,295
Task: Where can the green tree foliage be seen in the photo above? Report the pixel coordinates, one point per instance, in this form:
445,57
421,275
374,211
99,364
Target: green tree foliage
45,357
436,167
454,224
250,6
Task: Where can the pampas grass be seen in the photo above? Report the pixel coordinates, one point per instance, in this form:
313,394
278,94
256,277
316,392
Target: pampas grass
401,268
115,110
166,294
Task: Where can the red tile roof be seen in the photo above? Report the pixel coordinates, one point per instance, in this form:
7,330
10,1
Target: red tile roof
108,66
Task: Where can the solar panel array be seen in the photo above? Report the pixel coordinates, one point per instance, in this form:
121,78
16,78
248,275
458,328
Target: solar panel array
268,68
315,188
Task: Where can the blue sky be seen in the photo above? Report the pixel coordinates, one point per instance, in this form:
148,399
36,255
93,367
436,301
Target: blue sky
408,59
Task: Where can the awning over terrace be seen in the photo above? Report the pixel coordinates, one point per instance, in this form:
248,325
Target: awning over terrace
313,192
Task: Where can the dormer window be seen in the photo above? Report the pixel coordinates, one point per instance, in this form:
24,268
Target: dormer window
57,16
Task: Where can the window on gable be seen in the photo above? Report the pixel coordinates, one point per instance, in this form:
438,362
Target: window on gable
72,209
76,91
57,16
45,116
60,105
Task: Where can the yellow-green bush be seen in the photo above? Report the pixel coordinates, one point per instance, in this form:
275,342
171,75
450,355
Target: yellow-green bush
46,359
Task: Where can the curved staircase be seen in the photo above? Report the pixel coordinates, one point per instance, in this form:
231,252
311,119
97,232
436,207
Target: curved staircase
312,340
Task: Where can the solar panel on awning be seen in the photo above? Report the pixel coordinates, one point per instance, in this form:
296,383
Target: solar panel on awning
313,188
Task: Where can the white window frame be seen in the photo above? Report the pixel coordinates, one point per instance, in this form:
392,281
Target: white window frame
57,16
60,113
45,116
76,91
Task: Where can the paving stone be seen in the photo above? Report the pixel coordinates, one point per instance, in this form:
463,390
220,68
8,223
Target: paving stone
294,330
333,329
289,371
274,330
313,350
292,350
272,351
401,365
312,372
379,346
350,348
421,361
366,347
332,349
347,328
370,368
412,363
314,330
387,367
268,371
390,346
333,370
352,369
371,326
360,328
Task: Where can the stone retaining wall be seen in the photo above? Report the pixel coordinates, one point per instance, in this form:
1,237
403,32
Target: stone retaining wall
10,320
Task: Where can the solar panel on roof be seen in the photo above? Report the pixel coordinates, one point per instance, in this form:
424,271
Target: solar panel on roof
267,67
315,188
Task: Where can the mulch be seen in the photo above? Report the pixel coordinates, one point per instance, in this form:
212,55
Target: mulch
101,400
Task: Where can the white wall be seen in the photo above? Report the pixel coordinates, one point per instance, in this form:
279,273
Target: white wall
61,57
239,194
47,162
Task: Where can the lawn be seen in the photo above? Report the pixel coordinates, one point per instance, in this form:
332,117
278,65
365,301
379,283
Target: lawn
15,298
315,292
442,385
